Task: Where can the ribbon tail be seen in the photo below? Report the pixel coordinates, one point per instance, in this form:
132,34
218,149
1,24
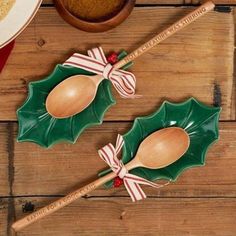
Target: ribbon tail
132,184
119,143
134,190
124,82
140,180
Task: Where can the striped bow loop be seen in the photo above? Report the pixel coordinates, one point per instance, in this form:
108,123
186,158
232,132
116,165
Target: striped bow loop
132,182
96,62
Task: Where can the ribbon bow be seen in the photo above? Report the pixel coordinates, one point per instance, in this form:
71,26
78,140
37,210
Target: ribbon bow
96,62
132,182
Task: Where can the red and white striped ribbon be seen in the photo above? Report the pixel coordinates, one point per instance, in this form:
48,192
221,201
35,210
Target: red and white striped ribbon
96,62
132,182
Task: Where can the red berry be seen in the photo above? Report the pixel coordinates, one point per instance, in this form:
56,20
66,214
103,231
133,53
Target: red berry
112,58
117,182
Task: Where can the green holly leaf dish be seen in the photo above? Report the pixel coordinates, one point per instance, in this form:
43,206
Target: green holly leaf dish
198,120
38,126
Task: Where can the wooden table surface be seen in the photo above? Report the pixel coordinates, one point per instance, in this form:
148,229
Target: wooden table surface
198,61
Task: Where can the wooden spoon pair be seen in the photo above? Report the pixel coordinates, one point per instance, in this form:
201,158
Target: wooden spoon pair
74,94
158,150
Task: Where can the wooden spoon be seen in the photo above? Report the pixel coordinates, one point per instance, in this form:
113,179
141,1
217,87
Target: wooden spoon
158,150
74,94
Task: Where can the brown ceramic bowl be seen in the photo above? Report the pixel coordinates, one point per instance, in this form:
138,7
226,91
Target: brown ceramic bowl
92,26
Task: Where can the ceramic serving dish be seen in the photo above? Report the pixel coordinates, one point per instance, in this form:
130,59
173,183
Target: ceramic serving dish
95,26
17,19
198,120
38,126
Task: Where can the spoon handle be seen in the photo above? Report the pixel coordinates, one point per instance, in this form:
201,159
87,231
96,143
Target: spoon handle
188,19
60,203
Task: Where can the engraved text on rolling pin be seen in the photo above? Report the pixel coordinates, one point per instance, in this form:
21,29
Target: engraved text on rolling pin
180,24
61,202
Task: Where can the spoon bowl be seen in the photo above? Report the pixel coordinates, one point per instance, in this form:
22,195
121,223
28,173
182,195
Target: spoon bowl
72,95
158,150
163,148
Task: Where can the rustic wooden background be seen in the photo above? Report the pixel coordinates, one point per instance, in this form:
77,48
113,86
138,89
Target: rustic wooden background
198,61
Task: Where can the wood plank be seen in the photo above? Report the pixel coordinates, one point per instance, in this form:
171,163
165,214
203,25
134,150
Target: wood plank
66,167
112,216
3,215
233,110
4,163
169,2
191,63
6,177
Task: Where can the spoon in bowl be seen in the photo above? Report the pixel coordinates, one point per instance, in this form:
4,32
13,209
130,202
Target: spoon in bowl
158,150
76,93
